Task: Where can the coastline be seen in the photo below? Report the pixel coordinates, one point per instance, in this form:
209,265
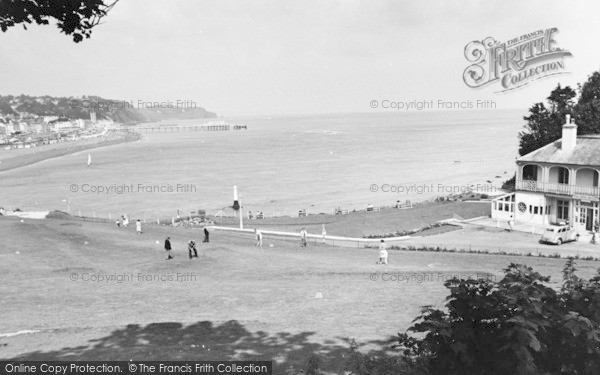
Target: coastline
122,136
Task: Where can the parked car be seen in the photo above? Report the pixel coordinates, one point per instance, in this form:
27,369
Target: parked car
558,234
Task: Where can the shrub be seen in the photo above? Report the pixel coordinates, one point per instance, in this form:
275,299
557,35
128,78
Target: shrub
517,325
510,183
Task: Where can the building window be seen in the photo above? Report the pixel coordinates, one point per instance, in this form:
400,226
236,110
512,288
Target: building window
563,209
530,172
563,176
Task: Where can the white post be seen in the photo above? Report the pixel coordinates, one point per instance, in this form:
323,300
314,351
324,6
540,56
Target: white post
241,218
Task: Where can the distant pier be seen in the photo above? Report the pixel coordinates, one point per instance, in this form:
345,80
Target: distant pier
186,128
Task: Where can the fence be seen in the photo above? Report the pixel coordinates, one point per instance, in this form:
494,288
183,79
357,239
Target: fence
93,216
256,212
313,238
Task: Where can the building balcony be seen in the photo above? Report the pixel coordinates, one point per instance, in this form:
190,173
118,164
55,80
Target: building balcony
556,188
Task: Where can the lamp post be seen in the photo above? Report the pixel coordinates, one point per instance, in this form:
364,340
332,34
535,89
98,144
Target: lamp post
236,206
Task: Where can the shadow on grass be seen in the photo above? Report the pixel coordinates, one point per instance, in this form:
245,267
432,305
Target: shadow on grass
206,341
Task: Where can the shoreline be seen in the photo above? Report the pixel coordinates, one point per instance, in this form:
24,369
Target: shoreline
69,148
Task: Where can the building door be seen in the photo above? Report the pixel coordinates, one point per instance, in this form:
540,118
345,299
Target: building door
589,221
562,210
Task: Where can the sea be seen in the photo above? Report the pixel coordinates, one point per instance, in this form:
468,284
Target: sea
280,165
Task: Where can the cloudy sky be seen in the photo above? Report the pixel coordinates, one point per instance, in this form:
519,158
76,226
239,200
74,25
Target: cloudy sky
270,57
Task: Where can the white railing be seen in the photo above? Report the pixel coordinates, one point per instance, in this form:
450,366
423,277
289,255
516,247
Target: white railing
315,238
553,187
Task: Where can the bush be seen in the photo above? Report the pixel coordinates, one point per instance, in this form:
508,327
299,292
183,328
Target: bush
59,215
517,325
403,233
510,183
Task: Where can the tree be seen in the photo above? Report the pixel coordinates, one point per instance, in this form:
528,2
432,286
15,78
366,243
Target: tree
544,124
74,17
588,106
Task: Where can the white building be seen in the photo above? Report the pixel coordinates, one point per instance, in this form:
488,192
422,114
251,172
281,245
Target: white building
23,127
556,183
10,128
61,125
48,119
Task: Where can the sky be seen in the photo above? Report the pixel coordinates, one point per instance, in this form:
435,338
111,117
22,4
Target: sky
284,57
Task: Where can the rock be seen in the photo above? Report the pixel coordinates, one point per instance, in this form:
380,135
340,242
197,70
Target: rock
319,295
86,243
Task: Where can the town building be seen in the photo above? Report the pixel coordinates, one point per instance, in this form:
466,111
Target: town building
11,128
557,183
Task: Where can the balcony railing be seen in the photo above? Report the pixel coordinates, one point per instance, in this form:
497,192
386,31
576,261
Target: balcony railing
553,187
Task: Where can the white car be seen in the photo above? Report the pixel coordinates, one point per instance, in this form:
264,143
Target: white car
558,234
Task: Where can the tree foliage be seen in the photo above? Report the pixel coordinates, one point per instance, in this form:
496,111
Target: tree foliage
544,122
587,110
74,17
517,325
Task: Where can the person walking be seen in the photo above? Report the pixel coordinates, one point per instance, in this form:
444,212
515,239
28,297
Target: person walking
383,253
192,247
205,235
303,242
323,233
138,226
258,236
168,248
511,224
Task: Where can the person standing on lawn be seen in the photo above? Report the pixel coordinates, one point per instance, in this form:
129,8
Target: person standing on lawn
303,242
383,253
205,235
258,236
192,247
168,248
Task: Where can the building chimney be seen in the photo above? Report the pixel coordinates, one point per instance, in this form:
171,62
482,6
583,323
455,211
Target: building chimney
569,135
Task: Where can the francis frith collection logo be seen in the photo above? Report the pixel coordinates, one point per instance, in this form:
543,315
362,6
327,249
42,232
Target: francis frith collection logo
514,63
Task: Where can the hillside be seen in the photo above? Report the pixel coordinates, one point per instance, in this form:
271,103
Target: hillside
24,106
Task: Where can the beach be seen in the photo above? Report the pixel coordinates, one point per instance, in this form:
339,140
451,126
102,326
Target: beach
16,158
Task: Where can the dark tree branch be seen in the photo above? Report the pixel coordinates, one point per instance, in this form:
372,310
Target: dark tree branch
74,17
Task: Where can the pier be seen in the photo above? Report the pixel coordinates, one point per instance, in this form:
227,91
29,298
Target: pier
186,128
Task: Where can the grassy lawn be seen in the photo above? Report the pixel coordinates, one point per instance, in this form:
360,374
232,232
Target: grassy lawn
361,223
234,302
